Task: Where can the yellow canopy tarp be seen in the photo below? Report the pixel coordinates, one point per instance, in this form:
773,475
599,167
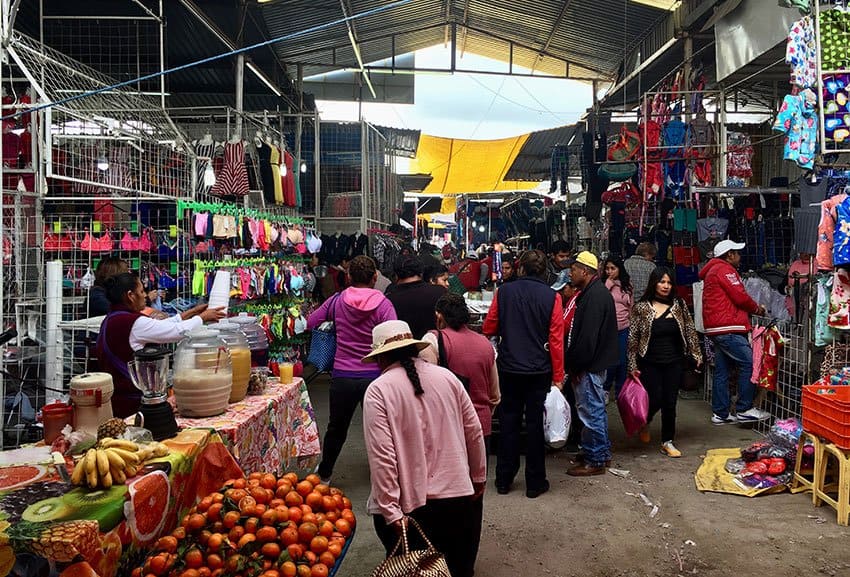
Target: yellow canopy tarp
467,166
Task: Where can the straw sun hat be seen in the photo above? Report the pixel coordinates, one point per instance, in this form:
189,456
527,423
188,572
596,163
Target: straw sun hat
389,336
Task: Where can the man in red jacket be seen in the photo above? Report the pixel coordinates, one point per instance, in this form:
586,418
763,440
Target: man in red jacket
726,310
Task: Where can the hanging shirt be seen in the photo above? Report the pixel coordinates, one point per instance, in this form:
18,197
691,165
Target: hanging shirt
801,53
841,236
798,119
826,231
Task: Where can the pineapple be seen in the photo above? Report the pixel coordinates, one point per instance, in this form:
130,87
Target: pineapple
112,428
61,542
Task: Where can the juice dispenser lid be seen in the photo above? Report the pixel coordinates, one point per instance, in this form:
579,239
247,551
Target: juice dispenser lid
151,353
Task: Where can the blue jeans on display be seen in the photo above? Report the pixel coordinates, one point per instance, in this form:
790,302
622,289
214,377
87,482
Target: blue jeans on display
617,373
590,400
729,350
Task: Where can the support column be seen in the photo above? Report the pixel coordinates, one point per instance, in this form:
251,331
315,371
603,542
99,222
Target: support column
686,72
299,121
240,90
724,148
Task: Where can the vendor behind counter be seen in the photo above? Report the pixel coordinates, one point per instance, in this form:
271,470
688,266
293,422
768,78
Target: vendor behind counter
126,330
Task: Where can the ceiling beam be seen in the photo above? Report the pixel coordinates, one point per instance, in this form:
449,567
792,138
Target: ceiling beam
352,37
557,23
222,37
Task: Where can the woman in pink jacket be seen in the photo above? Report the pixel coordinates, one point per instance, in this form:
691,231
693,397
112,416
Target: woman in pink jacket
617,281
425,449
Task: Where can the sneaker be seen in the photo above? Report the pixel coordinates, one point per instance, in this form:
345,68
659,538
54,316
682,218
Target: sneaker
670,450
325,480
644,434
715,420
753,414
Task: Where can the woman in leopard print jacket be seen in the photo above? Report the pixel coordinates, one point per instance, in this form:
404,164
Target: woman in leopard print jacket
662,337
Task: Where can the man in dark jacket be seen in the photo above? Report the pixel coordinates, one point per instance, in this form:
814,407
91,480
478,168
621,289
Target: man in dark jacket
414,299
592,349
528,318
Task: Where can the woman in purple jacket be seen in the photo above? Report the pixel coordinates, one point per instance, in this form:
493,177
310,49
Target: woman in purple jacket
355,311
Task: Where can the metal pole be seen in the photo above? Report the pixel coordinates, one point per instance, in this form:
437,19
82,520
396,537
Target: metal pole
240,91
686,72
161,55
364,177
299,124
317,165
724,147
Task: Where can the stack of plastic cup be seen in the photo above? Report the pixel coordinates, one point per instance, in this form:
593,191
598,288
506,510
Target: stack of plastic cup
220,292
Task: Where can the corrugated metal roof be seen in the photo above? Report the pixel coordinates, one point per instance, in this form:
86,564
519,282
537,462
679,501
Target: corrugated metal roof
533,163
591,34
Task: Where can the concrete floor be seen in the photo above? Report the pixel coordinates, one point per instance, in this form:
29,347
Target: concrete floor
593,527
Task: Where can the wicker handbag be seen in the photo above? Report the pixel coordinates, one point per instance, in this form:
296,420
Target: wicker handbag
421,563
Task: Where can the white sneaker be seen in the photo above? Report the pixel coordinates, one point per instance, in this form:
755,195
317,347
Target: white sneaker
715,420
670,450
753,414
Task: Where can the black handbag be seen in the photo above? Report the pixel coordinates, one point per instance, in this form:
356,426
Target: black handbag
443,362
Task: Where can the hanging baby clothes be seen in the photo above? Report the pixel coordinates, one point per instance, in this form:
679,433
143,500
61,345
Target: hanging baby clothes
798,120
233,178
288,180
823,332
205,152
739,168
264,151
278,186
841,236
839,302
767,344
700,140
675,169
801,53
826,231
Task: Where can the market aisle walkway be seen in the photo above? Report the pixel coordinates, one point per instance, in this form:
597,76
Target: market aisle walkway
600,526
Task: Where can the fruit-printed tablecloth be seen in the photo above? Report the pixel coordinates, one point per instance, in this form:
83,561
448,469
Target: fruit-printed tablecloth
49,528
272,432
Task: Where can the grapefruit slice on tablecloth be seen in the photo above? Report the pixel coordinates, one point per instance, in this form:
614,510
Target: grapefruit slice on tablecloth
18,476
145,510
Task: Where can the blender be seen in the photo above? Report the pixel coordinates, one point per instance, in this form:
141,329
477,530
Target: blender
149,373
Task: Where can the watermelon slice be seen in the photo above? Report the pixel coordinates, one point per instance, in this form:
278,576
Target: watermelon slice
14,477
145,510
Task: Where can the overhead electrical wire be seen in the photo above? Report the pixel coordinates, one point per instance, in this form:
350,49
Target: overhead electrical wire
311,30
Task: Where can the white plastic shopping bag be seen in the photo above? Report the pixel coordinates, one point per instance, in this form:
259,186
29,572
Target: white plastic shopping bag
556,419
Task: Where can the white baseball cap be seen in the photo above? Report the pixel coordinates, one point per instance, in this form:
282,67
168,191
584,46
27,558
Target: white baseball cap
725,246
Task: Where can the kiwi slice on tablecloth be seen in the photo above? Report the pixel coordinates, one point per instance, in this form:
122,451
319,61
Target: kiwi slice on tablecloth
47,510
106,506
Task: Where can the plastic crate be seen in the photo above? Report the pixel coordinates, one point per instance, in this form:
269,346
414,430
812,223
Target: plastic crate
826,412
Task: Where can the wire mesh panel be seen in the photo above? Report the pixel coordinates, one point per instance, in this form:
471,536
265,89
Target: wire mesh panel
114,143
382,194
792,373
121,48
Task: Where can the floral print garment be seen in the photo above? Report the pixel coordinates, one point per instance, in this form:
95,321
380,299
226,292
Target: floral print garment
801,53
798,120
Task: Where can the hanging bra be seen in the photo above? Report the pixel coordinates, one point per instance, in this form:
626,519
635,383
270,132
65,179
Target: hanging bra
129,243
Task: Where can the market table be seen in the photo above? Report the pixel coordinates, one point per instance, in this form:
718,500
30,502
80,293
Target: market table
49,528
272,432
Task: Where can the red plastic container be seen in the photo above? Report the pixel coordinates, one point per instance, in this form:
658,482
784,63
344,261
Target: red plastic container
54,417
826,412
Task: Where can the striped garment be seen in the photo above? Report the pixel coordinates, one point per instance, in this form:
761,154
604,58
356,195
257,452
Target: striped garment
232,180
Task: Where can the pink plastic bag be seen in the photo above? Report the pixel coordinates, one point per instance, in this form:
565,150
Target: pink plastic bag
633,403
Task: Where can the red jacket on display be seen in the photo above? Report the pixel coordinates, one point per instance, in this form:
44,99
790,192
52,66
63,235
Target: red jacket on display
726,306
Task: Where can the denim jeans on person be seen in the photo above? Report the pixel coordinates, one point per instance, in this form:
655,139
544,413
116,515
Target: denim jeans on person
732,350
590,400
617,373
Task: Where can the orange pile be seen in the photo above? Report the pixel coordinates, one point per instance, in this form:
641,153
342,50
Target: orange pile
262,526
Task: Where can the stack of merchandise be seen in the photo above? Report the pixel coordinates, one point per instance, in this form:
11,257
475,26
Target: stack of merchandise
770,463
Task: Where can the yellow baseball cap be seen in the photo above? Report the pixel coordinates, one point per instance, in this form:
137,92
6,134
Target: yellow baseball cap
588,259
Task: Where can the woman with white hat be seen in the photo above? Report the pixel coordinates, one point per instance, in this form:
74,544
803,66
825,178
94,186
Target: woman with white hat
425,448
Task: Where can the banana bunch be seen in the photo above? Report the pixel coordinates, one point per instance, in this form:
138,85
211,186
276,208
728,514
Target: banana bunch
113,461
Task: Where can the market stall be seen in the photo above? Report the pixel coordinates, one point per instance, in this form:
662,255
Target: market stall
48,524
272,432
